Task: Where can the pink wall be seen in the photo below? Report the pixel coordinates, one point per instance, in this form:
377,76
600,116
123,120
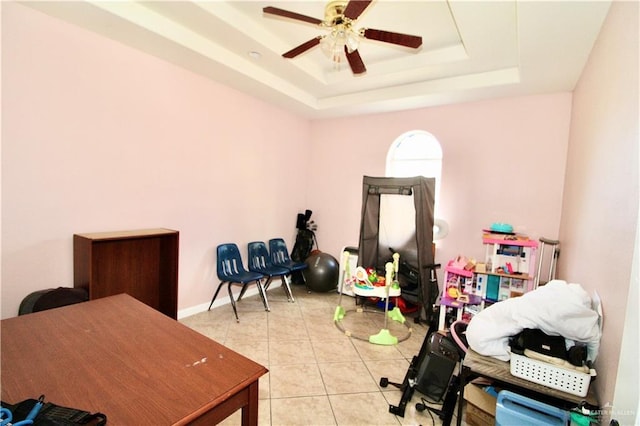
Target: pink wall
99,137
600,209
503,161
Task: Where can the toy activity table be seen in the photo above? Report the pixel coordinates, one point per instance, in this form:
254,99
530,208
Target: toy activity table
390,289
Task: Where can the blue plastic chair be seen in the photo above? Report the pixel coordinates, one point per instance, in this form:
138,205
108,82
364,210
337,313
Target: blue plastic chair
232,272
280,257
259,261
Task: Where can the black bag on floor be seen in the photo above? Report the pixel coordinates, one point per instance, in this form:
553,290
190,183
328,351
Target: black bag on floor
54,415
42,300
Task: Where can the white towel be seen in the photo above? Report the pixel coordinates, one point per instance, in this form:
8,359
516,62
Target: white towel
557,308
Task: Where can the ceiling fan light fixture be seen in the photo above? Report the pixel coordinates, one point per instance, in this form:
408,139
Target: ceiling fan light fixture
333,45
342,41
352,40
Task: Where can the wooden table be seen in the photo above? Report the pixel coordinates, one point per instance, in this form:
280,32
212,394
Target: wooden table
117,356
475,364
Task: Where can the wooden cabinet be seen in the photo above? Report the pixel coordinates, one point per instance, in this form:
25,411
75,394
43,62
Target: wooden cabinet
141,263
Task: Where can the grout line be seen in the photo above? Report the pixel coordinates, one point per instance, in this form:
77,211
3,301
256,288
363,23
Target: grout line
308,306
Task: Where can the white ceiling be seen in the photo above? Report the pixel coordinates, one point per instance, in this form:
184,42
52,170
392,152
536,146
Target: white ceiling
471,50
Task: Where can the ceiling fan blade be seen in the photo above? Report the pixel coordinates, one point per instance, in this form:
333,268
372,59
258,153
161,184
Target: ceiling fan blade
395,38
292,15
302,48
355,8
355,61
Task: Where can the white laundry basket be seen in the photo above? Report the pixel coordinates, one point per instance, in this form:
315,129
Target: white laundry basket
543,373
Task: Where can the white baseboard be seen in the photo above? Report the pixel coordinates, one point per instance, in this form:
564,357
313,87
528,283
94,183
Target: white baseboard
221,300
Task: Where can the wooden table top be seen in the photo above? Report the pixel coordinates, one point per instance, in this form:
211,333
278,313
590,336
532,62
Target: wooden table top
117,356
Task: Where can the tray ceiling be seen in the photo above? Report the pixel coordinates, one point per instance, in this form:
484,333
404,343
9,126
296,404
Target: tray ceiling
471,50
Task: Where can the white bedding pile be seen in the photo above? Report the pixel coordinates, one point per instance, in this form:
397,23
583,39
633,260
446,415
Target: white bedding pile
557,308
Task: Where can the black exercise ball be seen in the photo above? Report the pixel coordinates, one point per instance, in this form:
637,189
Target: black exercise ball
322,272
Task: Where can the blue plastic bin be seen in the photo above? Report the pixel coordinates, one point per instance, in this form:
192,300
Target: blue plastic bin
516,410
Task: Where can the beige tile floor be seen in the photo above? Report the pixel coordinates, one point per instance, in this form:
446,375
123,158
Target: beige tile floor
318,375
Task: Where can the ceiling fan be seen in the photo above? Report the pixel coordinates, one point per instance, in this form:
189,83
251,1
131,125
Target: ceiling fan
339,19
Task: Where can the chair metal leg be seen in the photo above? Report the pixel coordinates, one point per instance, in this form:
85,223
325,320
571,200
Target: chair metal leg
263,295
268,283
304,280
244,289
287,288
233,302
215,295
